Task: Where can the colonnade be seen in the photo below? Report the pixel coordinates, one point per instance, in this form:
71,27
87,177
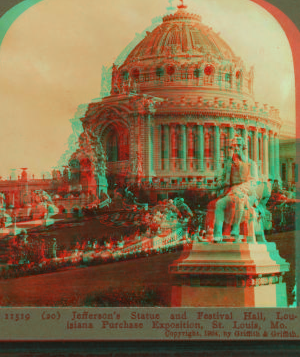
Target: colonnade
191,148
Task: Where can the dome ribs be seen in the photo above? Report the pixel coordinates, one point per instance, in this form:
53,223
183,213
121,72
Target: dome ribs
157,39
186,43
175,37
183,53
222,46
172,38
150,45
212,40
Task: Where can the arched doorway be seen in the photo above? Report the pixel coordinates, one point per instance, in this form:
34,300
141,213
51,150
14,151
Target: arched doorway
112,149
116,141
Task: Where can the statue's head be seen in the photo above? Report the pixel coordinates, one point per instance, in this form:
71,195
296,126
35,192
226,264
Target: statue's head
237,145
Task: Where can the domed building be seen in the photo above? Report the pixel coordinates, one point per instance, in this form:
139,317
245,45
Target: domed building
175,102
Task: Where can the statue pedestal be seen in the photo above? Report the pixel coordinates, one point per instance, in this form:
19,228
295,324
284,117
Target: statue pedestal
229,275
101,185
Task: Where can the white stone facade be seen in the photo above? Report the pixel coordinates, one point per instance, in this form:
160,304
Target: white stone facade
175,102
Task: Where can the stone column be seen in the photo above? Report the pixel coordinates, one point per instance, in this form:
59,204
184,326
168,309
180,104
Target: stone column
150,148
166,148
190,145
265,154
217,148
206,158
231,132
255,147
245,137
230,137
183,147
158,147
173,147
289,170
200,147
271,155
277,158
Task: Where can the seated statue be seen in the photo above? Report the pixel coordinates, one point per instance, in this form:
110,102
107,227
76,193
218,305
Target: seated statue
125,199
240,210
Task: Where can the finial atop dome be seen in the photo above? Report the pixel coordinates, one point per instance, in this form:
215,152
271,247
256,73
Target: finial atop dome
171,8
182,6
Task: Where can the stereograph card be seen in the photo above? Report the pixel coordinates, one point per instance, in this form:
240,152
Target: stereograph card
149,176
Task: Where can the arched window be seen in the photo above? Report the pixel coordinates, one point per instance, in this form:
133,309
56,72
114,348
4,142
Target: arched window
228,80
197,73
209,146
223,146
112,146
159,72
206,150
117,144
238,76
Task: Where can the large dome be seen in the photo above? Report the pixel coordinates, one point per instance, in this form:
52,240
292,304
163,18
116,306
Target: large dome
176,101
181,53
179,35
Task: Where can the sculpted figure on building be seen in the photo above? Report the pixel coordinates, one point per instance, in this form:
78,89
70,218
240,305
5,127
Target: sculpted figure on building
89,163
42,205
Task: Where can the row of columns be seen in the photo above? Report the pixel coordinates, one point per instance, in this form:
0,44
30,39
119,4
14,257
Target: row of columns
186,147
167,146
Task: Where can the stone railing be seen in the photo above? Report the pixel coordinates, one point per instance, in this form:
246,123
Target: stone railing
222,105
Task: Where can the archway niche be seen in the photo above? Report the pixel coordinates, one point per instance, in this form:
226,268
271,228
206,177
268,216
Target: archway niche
116,142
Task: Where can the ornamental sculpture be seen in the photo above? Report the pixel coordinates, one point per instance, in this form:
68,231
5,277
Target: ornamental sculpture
42,205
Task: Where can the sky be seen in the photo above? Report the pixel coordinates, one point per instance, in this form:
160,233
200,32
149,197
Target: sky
52,55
